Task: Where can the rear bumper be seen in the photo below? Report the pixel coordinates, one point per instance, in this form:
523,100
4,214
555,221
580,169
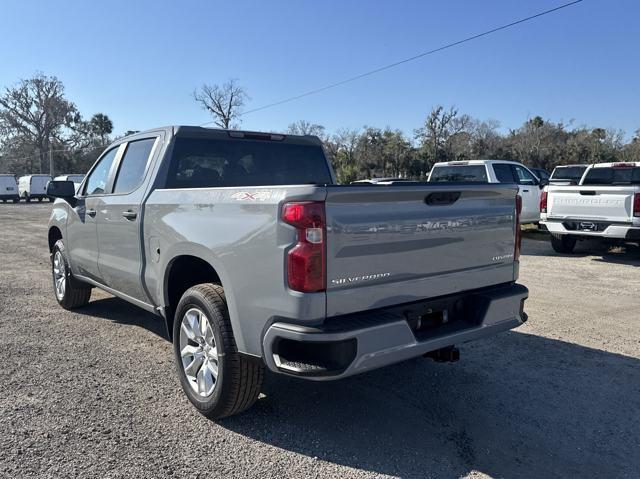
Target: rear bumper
352,344
612,231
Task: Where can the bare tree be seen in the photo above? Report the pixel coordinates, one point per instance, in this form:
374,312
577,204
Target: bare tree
36,111
435,132
224,102
303,127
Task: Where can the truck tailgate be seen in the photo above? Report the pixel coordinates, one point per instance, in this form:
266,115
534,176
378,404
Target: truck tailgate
611,203
395,244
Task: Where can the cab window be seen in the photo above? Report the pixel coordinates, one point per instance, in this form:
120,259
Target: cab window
97,180
504,173
523,176
132,165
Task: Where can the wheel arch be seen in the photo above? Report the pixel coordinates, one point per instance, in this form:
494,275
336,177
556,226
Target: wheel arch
189,269
53,236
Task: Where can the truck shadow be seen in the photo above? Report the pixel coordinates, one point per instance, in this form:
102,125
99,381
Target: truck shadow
119,311
627,254
517,405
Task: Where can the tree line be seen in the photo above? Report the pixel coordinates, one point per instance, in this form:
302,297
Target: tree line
38,123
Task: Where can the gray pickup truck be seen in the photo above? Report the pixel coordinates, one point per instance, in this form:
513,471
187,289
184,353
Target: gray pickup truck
255,258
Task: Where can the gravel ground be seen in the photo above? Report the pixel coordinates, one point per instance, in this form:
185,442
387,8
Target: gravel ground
93,393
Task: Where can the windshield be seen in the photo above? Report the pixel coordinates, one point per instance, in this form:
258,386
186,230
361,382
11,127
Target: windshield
613,176
459,173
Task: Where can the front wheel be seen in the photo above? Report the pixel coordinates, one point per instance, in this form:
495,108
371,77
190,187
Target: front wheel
563,243
70,293
218,380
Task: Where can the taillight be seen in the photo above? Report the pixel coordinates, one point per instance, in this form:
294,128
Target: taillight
306,270
636,205
516,251
543,202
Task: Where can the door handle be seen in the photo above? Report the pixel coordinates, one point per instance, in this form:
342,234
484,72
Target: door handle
91,212
525,191
130,215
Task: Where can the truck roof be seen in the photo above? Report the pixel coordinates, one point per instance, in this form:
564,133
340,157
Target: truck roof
622,164
203,132
474,162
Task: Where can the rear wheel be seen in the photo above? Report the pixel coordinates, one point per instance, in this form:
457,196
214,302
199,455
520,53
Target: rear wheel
563,243
70,293
217,379
27,198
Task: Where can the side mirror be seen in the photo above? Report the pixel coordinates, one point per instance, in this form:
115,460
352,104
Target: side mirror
65,190
543,183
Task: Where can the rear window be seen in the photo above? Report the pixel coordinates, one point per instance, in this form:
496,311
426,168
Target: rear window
459,174
612,176
568,173
206,163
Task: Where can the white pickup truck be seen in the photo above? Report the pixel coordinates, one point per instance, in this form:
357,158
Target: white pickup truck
605,204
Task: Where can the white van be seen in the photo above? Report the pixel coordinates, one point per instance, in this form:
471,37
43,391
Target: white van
77,179
8,188
33,187
495,171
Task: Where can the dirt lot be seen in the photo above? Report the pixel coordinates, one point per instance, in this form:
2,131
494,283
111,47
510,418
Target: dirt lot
94,394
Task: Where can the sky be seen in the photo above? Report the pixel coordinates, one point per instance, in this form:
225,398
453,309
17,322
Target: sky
140,61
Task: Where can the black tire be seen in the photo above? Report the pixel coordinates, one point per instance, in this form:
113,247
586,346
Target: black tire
4,201
76,293
16,200
40,199
239,379
563,243
27,198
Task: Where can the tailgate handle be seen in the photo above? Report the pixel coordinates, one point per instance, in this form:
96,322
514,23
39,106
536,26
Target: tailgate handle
587,192
441,198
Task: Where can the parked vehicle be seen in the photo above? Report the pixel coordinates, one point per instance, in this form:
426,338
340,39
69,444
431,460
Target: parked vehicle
606,204
8,189
541,174
255,258
567,174
33,187
75,178
495,171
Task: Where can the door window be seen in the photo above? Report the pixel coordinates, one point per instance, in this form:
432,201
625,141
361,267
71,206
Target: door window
523,176
132,165
504,173
97,181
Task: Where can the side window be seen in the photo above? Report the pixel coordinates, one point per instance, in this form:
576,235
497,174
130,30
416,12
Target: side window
97,181
523,176
504,173
132,165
